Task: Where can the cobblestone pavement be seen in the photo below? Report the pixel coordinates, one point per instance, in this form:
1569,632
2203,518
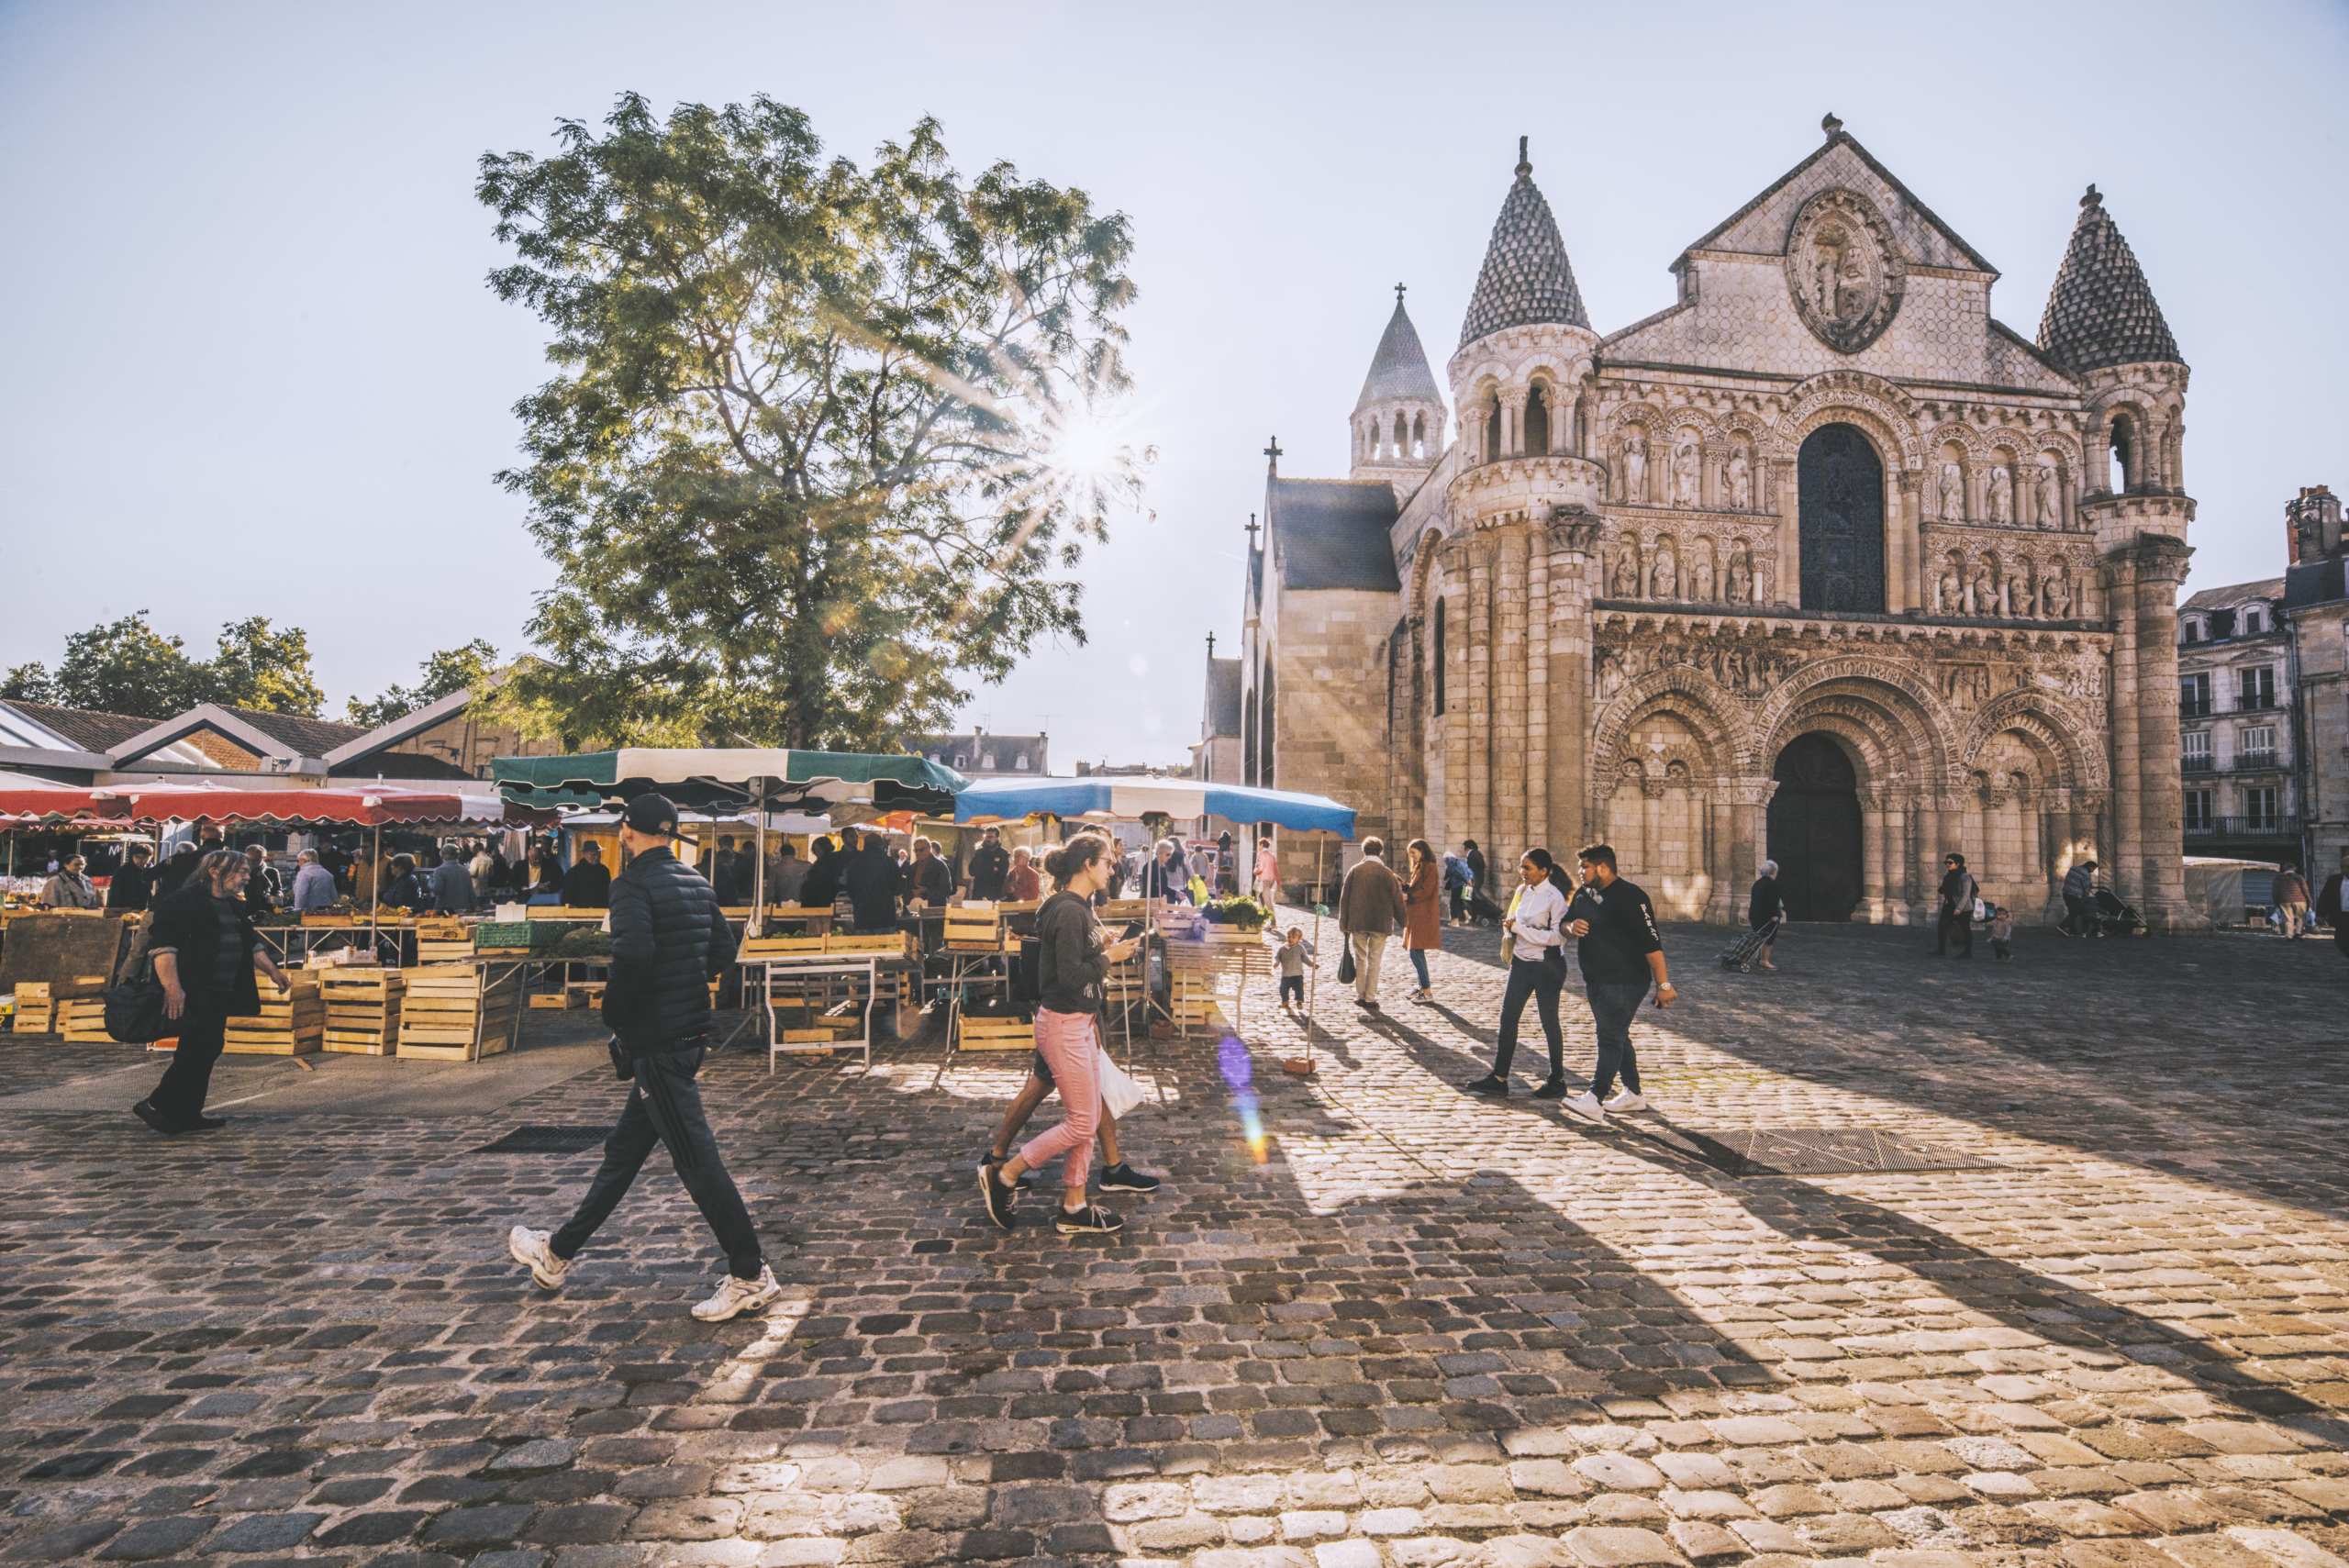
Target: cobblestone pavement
1398,1328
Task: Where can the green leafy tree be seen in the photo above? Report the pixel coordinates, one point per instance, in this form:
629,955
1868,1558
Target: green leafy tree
130,668
450,669
258,667
29,683
821,435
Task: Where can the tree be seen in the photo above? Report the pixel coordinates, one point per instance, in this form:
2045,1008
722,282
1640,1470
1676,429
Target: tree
450,669
820,434
260,668
29,683
131,669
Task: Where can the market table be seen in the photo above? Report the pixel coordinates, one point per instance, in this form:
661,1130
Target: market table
787,960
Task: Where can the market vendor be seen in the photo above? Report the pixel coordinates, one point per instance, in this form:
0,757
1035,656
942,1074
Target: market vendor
313,884
69,889
133,885
587,885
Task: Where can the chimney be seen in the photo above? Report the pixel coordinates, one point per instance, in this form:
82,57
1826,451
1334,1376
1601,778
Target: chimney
2312,526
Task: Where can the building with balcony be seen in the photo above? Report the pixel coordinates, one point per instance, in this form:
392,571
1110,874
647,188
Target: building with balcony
1820,562
2240,790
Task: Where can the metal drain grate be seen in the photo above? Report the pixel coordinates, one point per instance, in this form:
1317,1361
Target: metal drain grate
1803,1150
548,1140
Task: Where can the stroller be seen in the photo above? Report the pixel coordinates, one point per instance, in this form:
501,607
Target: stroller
1741,954
2111,918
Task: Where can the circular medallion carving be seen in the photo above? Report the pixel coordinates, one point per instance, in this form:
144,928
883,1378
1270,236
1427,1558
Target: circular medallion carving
1844,269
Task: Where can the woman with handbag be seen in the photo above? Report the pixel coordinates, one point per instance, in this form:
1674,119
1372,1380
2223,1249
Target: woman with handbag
1537,969
1072,956
1423,918
204,951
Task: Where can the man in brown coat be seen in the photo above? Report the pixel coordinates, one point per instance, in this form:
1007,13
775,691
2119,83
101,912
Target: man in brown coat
1370,905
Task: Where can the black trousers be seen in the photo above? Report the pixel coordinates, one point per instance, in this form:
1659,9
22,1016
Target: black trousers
1959,922
204,1032
664,1108
2075,914
1541,982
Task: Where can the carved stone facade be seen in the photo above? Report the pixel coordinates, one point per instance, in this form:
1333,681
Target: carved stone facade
1823,494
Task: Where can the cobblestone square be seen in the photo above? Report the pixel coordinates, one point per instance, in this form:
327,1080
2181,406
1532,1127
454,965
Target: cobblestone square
1369,1322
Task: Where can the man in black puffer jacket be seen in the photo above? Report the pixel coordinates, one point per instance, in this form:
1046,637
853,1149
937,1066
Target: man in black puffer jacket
669,941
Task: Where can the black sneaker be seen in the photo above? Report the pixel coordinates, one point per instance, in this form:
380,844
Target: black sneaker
1026,1179
1092,1218
999,1200
1488,1085
1123,1178
1553,1089
145,1111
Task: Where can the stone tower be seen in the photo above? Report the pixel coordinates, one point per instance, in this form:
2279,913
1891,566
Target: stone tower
1398,419
2104,329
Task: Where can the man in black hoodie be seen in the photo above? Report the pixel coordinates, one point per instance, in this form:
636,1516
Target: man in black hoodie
670,938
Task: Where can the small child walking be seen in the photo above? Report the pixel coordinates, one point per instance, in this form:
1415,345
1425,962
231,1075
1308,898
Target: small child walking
2002,929
1294,954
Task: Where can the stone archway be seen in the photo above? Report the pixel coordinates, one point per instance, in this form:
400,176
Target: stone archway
1814,829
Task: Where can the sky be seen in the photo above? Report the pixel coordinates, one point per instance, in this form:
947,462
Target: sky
253,366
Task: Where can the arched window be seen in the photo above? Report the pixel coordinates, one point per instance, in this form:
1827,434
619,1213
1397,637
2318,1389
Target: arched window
1493,430
987,761
1402,434
1438,656
1840,480
1537,423
1019,763
2125,477
1420,436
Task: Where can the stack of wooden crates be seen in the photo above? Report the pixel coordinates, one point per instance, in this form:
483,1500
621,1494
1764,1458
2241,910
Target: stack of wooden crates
449,1014
287,1025
363,1009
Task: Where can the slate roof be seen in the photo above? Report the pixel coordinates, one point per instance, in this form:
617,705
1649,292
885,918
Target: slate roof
1398,371
2268,588
1333,533
303,737
2316,583
1527,277
86,727
2101,310
1223,697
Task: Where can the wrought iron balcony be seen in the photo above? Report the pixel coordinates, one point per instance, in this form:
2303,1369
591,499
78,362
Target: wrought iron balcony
2198,763
2215,828
2256,762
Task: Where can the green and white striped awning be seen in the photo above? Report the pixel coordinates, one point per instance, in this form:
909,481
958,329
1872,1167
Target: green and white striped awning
848,787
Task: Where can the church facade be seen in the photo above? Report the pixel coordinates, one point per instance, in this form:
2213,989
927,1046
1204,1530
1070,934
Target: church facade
1821,565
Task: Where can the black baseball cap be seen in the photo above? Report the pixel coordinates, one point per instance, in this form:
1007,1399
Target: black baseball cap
651,814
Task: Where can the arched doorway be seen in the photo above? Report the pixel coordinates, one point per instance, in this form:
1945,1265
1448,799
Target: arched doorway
1841,481
1815,829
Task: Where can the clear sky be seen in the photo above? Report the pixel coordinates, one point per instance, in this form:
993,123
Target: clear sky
253,368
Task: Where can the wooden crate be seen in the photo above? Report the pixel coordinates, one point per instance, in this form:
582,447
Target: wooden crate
443,952
973,1033
290,1025
896,944
362,1011
975,929
38,1018
561,1001
448,1015
772,947
83,1021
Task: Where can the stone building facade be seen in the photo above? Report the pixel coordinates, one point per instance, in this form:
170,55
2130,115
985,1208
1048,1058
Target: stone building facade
1822,564
2316,621
2238,753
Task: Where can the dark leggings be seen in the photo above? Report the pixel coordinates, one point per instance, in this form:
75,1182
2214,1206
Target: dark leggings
1539,979
664,1108
204,1032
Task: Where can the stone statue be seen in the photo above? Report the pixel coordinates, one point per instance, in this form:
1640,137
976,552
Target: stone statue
1665,583
1741,577
1700,577
2055,592
1635,469
2051,504
1626,584
1741,480
1981,594
1608,664
1947,592
1683,474
2020,593
2014,589
2002,496
1952,494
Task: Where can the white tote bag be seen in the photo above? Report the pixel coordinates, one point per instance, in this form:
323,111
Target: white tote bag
1119,1093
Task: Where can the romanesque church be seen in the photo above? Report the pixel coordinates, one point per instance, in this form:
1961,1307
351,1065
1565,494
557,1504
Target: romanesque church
1823,564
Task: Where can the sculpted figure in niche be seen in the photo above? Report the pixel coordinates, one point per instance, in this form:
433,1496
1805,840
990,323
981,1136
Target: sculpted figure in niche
1741,577
2019,595
2002,496
1981,594
1741,480
1684,473
1626,584
1608,667
1701,576
2050,505
1635,467
1952,494
2055,592
1947,591
1665,581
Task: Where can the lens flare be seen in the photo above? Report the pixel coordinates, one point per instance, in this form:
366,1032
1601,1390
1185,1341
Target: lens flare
1240,1073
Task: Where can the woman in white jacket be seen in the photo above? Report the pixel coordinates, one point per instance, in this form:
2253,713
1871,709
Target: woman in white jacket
1538,969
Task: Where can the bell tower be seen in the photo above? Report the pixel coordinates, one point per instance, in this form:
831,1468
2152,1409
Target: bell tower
1398,419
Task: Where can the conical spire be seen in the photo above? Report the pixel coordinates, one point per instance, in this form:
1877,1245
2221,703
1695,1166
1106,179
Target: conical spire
2101,310
1527,277
1398,371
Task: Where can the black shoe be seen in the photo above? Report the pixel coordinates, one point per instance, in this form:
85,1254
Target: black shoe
1123,1178
991,1159
1000,1201
1092,1218
1370,1007
1553,1089
206,1124
1362,1003
1497,1087
145,1111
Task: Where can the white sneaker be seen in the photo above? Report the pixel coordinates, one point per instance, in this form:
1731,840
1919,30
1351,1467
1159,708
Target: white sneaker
1585,1106
529,1250
1626,1101
739,1295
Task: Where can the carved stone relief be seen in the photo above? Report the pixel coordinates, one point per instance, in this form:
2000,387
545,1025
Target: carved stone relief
1844,269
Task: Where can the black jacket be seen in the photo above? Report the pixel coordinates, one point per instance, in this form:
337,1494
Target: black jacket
188,924
871,878
133,887
170,877
822,885
1765,903
669,942
404,891
587,885
1072,955
932,881
990,863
